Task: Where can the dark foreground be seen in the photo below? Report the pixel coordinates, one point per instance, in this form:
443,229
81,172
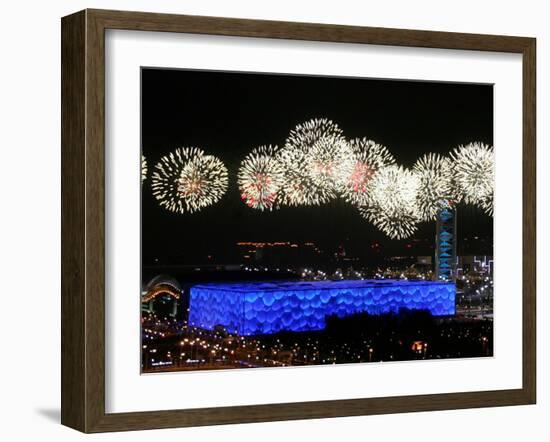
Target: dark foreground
169,345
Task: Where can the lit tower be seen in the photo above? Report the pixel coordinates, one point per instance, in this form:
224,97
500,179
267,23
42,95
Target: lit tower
445,240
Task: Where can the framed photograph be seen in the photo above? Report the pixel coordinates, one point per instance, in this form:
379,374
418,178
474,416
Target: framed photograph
266,221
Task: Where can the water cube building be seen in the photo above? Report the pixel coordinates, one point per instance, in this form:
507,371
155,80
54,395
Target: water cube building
270,307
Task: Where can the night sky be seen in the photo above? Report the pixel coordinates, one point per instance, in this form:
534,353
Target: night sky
229,114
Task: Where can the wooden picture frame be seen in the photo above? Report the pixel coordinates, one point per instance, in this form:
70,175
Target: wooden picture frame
83,220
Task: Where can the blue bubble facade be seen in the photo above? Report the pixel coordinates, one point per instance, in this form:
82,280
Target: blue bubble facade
265,308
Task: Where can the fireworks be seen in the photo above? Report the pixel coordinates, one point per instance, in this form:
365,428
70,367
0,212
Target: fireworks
392,202
487,206
329,159
314,158
260,178
368,158
298,188
396,223
394,186
318,164
187,180
473,174
305,135
143,168
434,176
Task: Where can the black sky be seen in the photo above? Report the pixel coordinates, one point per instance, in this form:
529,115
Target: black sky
228,114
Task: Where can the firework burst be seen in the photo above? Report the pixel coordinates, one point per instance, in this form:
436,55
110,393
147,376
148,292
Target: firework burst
143,168
314,157
187,180
392,202
305,135
368,158
260,177
327,162
298,188
434,177
487,206
473,174
396,223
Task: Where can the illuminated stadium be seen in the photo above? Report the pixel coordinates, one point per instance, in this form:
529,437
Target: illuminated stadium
266,308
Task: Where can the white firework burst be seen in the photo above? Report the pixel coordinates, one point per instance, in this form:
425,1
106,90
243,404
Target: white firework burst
434,177
392,202
187,180
368,158
328,161
314,157
487,206
396,223
298,188
473,174
143,168
305,135
260,177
